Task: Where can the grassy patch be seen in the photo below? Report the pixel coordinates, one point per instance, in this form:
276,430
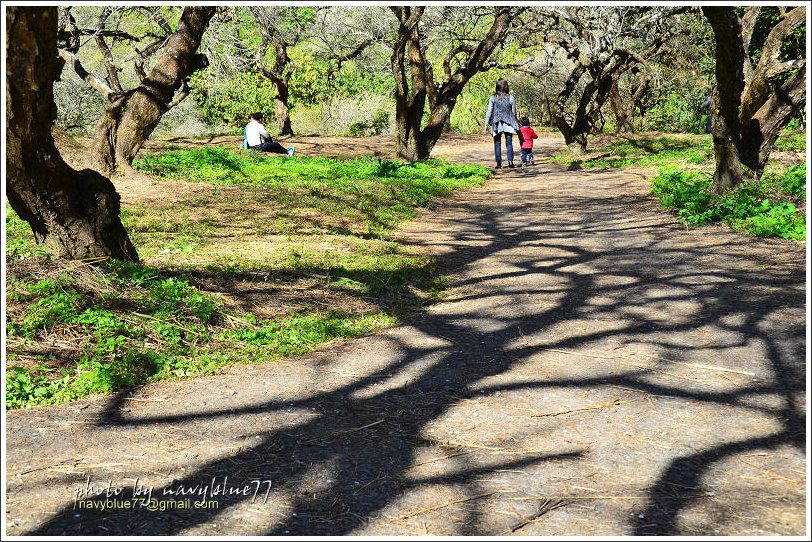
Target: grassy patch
19,238
766,208
298,251
642,151
125,324
773,206
364,196
791,142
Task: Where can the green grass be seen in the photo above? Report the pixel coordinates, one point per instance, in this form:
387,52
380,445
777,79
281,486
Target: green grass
644,151
19,238
770,207
369,196
138,325
791,142
766,208
313,226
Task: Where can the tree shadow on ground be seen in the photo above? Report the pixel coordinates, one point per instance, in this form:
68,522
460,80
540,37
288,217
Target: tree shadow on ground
342,466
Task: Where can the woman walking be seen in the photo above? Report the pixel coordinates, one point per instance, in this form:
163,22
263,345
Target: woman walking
501,117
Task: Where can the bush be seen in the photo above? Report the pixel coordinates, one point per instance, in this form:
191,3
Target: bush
678,111
760,208
377,125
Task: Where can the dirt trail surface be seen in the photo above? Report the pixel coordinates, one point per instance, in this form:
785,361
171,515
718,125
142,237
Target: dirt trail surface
596,368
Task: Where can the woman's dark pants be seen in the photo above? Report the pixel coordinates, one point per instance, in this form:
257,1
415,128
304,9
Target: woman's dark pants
497,147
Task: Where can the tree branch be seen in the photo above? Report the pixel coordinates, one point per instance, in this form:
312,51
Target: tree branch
86,76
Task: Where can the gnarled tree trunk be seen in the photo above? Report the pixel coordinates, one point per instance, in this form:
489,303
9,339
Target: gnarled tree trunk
763,128
725,104
131,118
73,213
747,119
414,91
624,111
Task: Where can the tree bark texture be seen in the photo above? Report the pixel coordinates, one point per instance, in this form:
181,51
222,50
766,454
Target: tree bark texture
75,214
131,118
763,128
417,88
747,117
726,131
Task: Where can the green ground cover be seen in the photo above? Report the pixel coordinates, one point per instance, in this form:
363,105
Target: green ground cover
301,226
771,206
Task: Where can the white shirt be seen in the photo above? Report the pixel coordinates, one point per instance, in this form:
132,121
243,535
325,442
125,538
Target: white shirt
255,133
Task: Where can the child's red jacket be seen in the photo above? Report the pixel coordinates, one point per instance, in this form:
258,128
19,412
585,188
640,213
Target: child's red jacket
528,135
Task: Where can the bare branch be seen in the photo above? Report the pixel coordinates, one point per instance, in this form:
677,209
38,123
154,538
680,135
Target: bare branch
88,77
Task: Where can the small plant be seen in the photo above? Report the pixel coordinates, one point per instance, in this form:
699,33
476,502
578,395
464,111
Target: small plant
357,129
377,125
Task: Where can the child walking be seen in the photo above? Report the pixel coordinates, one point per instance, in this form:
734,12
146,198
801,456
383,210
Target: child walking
528,135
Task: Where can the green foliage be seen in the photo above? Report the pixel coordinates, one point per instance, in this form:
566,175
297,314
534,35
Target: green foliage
314,81
377,125
791,142
678,110
154,328
750,208
297,334
22,387
19,238
792,181
53,306
376,195
230,101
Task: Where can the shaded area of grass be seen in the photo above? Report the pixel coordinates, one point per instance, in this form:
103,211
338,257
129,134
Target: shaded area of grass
19,238
643,151
295,252
124,324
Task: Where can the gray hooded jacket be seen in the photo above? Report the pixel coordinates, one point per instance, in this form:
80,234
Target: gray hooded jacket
501,115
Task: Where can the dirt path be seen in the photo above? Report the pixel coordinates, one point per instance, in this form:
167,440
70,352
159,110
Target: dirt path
596,369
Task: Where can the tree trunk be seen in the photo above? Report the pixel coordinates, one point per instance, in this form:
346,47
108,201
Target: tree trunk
760,133
727,98
747,121
75,214
413,142
130,119
280,73
281,107
624,114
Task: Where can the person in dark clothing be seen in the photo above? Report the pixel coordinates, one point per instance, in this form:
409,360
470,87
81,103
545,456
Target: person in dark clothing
501,117
707,104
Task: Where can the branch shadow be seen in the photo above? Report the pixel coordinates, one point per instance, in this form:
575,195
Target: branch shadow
345,464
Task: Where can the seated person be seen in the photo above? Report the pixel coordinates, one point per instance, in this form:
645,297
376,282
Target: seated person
256,137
